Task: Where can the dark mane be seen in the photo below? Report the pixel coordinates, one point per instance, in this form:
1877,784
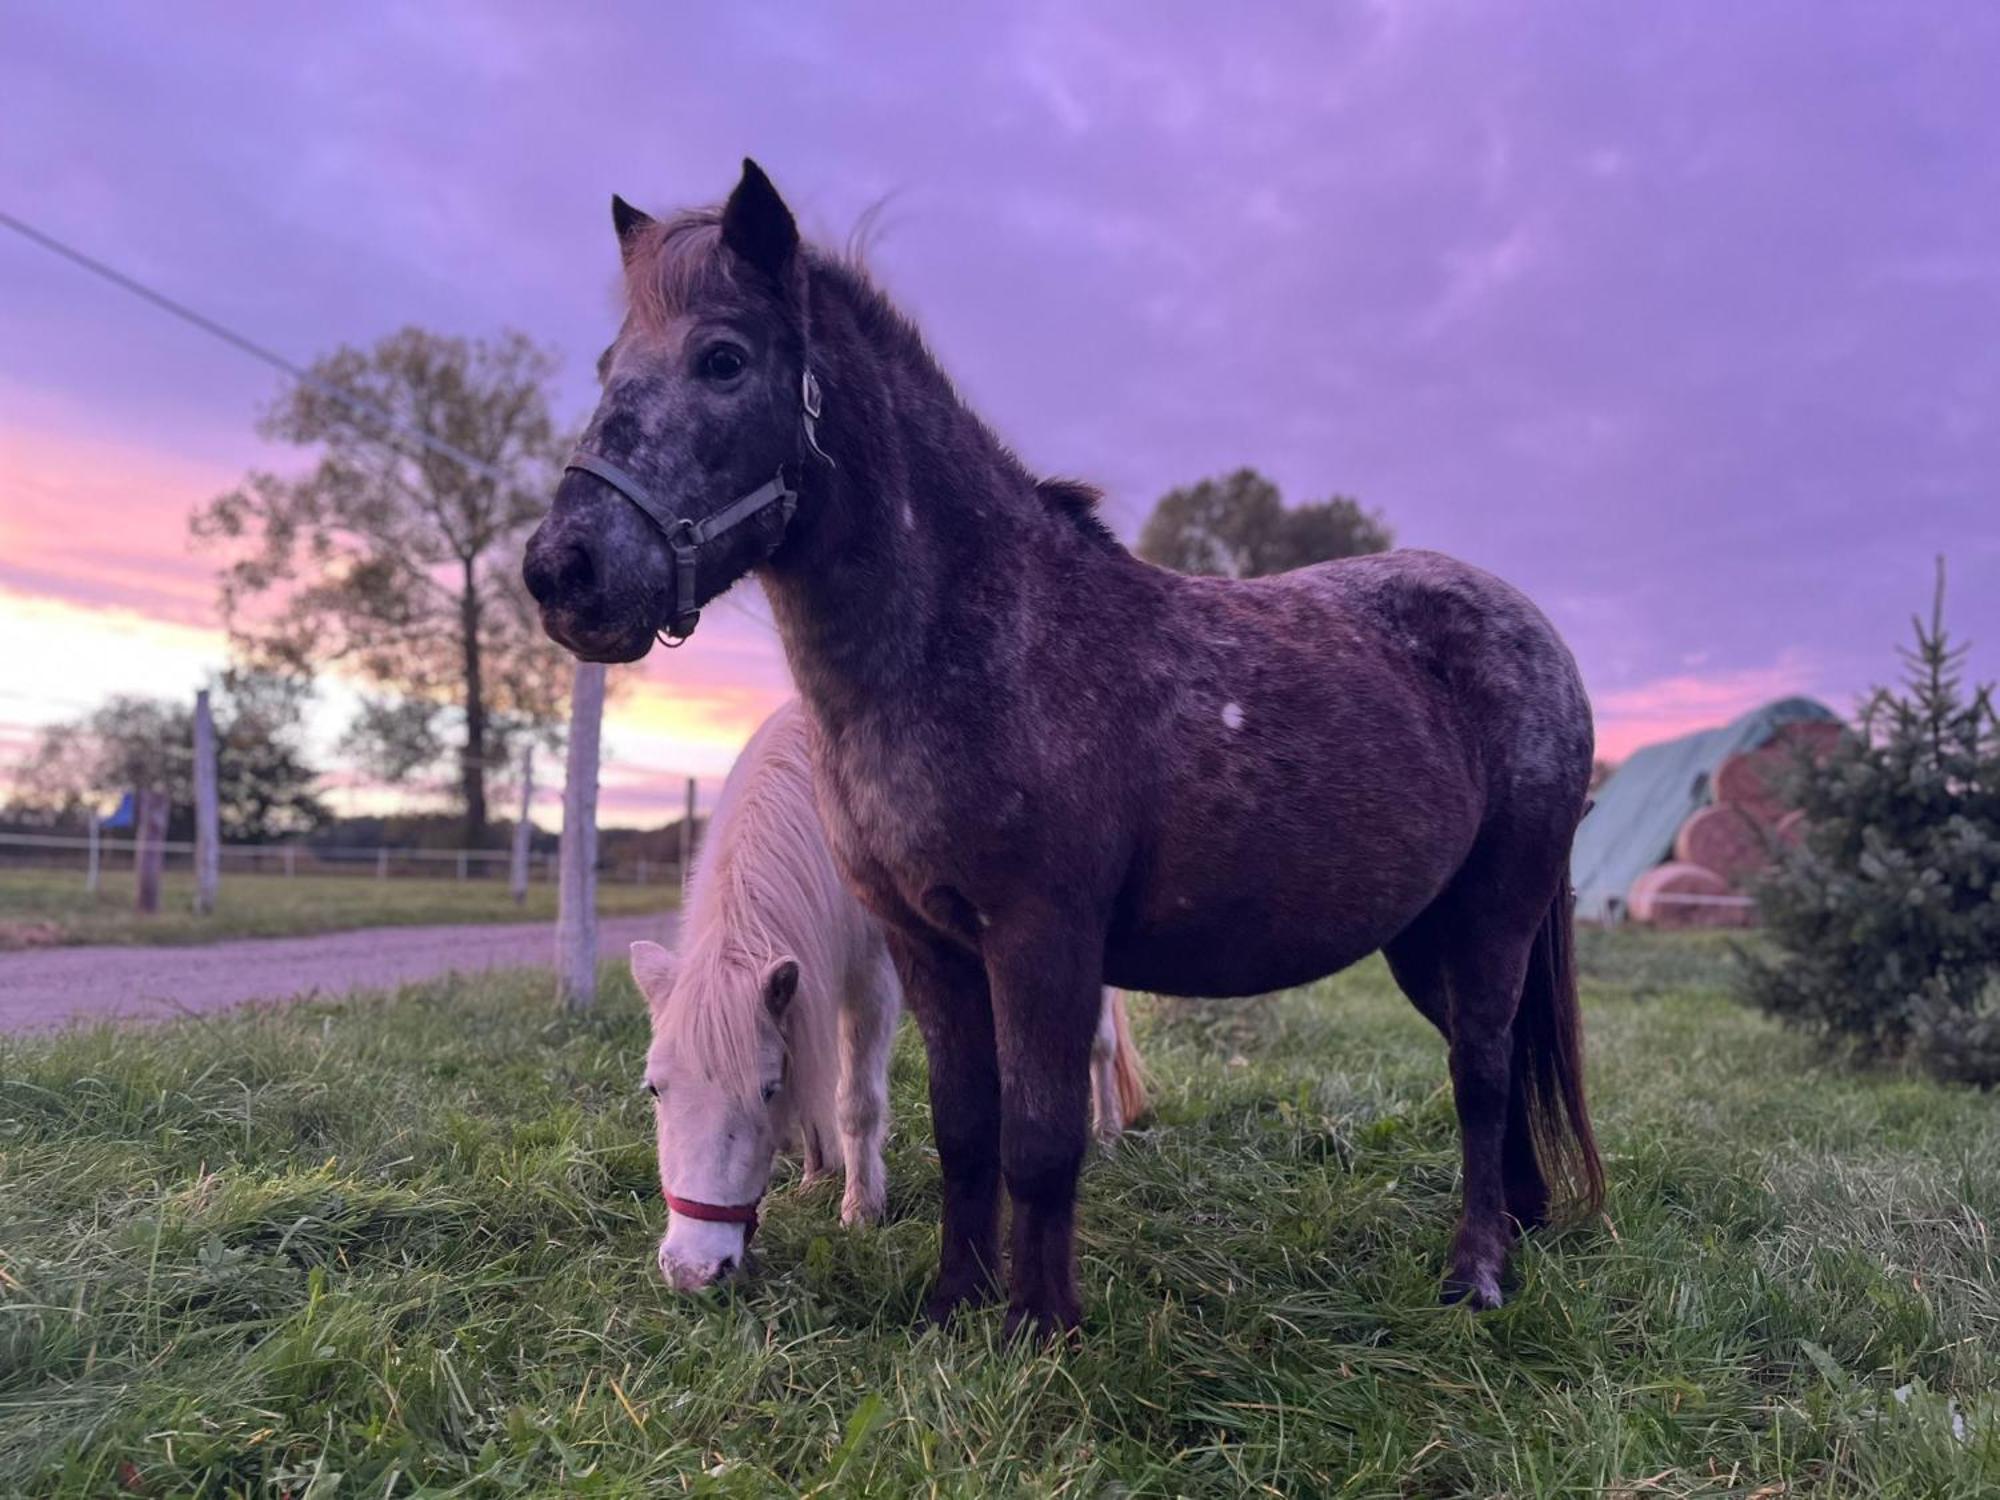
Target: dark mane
1076,502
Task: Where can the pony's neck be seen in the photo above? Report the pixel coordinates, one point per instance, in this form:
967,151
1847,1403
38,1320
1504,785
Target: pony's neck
919,494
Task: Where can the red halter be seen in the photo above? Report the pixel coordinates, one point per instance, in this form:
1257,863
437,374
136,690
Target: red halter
715,1213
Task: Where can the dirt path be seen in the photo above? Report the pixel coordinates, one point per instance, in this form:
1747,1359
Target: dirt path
52,987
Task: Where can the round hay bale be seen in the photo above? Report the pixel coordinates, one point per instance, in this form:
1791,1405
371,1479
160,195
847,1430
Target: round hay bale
1723,839
1791,829
1754,780
1652,899
1817,737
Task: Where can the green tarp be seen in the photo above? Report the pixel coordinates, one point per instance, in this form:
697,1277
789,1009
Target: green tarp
1644,802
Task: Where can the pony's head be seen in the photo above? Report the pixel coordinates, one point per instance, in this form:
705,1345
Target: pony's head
718,1070
688,471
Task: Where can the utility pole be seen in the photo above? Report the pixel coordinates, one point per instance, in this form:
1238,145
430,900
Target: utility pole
517,872
687,839
576,910
207,816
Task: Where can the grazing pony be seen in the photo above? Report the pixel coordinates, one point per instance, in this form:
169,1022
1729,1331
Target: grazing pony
776,1020
1046,765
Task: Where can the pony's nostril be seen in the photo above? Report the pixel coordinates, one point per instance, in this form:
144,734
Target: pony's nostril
724,1266
561,569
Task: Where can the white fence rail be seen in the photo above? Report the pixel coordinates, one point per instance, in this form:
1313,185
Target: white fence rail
49,851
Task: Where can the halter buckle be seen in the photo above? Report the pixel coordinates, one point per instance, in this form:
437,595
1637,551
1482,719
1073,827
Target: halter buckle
809,402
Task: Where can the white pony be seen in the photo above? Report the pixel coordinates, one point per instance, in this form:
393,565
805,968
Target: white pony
774,1022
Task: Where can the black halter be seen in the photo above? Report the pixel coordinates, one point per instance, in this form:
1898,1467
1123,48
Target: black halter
685,536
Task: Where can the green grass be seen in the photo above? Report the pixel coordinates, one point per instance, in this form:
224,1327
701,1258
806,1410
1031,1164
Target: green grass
405,1246
39,907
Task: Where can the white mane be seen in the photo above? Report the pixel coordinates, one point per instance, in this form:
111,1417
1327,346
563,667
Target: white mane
764,888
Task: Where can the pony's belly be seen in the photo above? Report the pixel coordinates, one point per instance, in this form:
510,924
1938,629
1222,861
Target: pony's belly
1224,960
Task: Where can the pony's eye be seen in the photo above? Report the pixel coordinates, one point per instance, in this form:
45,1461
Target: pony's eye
723,362
652,1088
770,1092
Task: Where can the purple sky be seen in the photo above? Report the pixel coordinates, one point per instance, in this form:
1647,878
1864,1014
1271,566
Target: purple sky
1685,318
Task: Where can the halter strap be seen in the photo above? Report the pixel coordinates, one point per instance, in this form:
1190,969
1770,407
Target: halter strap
687,536
715,1213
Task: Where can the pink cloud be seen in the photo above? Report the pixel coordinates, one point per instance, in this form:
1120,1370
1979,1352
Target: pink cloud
1667,707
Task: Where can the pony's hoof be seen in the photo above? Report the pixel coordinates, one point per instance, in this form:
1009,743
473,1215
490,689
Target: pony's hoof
858,1211
944,1302
1480,1292
1040,1325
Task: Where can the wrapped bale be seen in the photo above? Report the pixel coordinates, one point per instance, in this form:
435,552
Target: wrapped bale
1704,898
1726,840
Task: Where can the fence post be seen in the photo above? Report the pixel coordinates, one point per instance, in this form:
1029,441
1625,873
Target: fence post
517,868
382,863
207,826
576,909
639,871
687,839
461,864
90,873
151,853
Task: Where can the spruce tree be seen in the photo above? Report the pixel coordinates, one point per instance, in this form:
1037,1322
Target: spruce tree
1884,921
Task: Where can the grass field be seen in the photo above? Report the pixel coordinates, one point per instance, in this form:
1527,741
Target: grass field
405,1246
38,907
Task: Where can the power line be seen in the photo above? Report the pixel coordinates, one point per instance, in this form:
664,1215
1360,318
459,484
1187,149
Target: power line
278,362
251,347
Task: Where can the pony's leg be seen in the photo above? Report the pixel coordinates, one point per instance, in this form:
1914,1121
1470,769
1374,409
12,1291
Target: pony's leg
1416,959
1048,993
867,1029
1107,1113
1489,920
947,993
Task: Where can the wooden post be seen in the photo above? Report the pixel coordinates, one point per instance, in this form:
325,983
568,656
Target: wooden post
687,839
90,873
151,820
207,824
517,870
382,863
576,909
291,860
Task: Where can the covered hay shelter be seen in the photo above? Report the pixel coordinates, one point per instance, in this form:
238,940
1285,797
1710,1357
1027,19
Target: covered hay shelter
1647,800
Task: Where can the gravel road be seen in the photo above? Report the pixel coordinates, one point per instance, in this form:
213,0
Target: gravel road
44,988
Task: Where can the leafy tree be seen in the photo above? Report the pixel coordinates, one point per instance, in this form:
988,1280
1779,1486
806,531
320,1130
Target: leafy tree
1884,927
400,565
264,787
1238,526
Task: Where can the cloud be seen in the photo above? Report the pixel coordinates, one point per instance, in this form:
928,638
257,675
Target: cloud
1666,707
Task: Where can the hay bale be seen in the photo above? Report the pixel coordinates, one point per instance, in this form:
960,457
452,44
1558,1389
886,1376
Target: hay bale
1726,840
1651,899
1791,829
1755,780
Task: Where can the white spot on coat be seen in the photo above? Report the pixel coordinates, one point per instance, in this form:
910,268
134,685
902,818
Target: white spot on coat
1232,716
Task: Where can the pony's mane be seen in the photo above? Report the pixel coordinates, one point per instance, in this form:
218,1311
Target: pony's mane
672,264
1077,502
764,888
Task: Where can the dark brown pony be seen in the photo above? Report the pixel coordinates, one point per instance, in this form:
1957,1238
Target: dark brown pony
1047,765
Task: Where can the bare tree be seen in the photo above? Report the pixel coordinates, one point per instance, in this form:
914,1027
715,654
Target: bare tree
399,565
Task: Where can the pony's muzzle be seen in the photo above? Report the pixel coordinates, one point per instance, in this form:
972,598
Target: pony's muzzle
687,1269
591,603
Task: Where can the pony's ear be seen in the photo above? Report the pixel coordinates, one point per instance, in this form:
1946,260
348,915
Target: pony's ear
781,983
757,225
626,219
652,968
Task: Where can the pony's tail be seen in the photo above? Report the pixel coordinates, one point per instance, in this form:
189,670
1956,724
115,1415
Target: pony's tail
1128,1069
1548,1062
